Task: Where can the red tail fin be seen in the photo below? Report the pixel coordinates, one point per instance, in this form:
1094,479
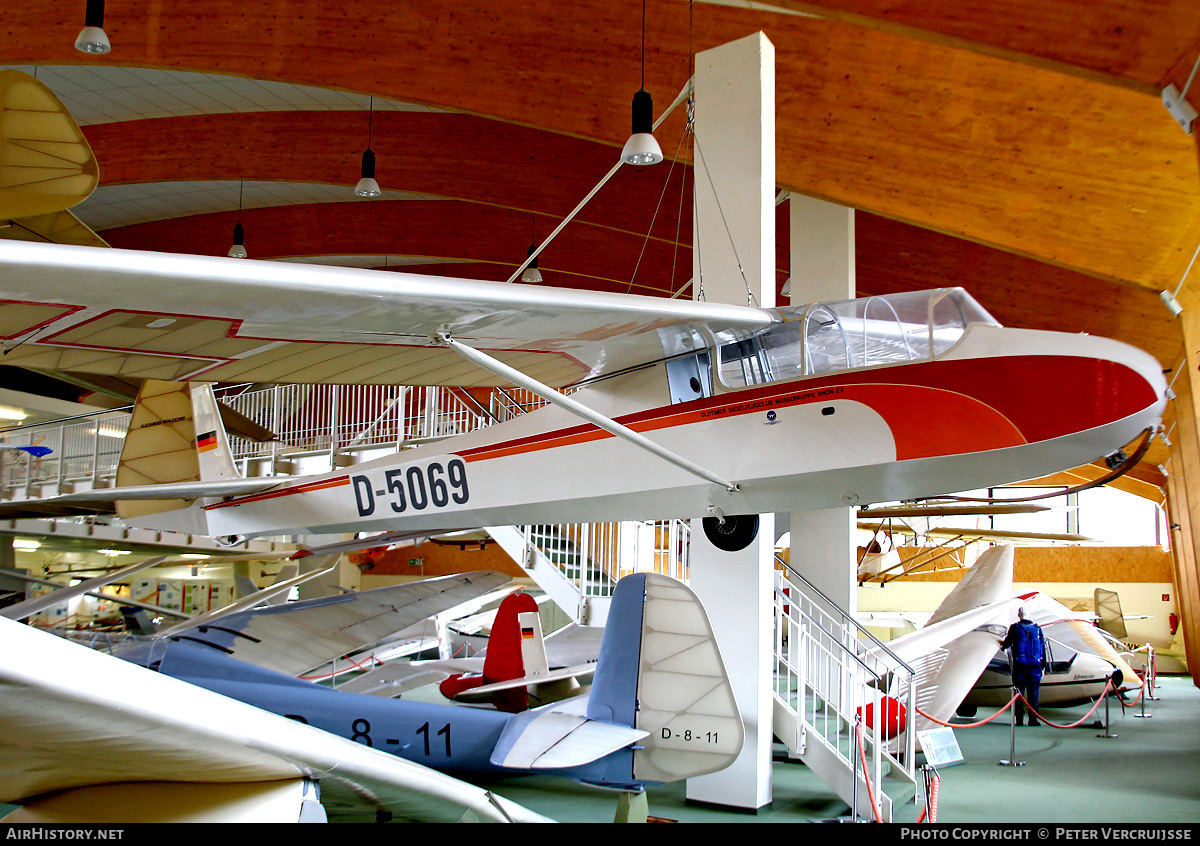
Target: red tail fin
503,660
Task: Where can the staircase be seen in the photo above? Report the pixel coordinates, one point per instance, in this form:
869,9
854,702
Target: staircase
579,564
831,679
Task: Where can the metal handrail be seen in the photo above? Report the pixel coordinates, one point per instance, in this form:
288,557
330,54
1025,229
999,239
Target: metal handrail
846,618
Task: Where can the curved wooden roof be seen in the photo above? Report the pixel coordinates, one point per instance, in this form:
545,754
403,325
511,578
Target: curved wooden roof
1022,153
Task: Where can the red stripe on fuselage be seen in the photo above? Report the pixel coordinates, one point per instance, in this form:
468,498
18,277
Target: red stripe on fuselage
933,408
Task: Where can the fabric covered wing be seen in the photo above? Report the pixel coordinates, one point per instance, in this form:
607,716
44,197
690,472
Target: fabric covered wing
74,717
300,636
145,315
46,164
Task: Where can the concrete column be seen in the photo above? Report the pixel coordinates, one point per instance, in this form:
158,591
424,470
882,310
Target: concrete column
822,250
734,261
822,270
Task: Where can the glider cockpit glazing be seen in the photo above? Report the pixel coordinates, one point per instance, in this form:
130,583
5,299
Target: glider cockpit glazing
851,334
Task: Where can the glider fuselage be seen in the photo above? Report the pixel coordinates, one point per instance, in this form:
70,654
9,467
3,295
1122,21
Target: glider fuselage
1001,405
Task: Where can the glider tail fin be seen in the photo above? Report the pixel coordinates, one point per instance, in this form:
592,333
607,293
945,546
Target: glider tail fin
213,454
159,447
175,435
661,706
514,650
660,671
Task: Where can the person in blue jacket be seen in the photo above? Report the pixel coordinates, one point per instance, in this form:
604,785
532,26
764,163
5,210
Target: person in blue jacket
1028,659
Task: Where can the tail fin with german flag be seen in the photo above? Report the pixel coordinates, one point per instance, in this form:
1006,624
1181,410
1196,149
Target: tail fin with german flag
515,650
175,435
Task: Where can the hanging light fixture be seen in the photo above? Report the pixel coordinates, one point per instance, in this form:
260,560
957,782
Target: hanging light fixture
641,148
367,186
531,274
238,250
92,38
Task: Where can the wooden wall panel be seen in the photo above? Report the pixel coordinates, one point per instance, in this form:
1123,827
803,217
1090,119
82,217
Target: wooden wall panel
1093,564
445,560
1071,564
1183,486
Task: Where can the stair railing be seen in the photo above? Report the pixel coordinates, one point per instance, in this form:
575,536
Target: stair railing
832,672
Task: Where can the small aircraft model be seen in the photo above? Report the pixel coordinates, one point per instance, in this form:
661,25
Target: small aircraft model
30,449
685,409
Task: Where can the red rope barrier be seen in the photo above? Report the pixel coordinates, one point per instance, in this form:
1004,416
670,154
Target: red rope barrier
968,725
1138,698
862,757
1107,687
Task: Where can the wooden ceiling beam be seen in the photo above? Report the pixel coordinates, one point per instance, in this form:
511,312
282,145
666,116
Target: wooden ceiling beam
596,258
1074,172
1128,43
451,156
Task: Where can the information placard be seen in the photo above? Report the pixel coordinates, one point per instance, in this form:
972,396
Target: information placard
940,747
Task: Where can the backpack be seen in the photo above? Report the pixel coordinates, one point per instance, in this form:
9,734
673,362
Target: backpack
1028,646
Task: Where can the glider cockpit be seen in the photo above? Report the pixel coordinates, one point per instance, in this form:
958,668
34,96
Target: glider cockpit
827,337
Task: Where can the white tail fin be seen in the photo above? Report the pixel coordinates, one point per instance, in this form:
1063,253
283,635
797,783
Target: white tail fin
533,648
1108,609
212,444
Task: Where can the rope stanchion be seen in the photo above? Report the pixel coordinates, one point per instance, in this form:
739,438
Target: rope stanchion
1009,704
1107,735
932,781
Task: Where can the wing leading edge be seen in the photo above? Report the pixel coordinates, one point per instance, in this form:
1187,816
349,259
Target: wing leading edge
84,309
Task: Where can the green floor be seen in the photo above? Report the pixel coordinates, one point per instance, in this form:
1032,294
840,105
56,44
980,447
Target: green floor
1149,772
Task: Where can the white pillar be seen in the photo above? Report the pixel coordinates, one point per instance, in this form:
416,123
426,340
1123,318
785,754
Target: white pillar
822,270
822,250
735,245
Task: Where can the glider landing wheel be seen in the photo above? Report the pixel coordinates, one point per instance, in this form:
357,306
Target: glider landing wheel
736,533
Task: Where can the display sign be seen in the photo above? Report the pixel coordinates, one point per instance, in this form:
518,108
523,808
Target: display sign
940,747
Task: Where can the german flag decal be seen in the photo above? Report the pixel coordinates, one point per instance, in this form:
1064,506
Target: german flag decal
527,633
206,441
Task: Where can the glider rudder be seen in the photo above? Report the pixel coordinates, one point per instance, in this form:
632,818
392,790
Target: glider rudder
660,671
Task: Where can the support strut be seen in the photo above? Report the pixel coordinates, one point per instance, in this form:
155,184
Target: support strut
609,425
